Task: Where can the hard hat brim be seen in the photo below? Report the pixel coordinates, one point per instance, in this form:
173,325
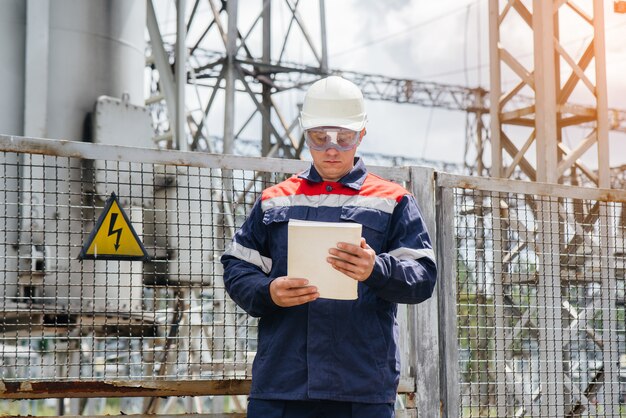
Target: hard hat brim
352,124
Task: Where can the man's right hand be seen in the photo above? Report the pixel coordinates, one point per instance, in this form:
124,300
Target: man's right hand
286,291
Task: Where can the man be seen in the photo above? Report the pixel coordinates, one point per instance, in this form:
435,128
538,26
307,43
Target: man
319,357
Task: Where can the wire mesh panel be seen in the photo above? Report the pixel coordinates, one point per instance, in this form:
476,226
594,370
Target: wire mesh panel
70,326
540,300
539,272
169,317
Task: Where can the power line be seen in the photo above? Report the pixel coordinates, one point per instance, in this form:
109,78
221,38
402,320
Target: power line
441,16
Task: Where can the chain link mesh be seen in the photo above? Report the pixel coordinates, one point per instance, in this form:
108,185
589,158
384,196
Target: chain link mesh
540,298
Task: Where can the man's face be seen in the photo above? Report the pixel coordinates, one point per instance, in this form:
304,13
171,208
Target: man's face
333,164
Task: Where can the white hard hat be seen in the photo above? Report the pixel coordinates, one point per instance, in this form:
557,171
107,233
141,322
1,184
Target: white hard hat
333,101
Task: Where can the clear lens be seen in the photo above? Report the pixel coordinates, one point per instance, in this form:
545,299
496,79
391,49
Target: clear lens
321,139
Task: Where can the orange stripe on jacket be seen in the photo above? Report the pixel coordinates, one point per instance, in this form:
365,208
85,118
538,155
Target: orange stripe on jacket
373,186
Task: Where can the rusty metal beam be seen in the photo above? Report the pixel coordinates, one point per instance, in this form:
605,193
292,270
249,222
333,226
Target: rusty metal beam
121,388
191,415
134,388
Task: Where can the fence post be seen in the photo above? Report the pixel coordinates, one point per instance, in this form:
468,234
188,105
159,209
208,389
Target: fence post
549,310
608,286
499,253
447,298
423,318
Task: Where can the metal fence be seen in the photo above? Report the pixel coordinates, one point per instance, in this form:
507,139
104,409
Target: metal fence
528,318
540,299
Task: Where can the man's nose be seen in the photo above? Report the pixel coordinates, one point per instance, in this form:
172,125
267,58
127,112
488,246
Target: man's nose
332,150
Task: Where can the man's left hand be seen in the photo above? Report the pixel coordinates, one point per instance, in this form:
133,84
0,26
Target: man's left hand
356,261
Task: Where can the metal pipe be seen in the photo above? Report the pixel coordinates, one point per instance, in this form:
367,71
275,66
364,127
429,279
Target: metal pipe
181,76
496,87
545,91
230,77
36,71
604,171
161,61
324,56
266,132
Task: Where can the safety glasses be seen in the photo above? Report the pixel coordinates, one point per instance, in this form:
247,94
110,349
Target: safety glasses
326,137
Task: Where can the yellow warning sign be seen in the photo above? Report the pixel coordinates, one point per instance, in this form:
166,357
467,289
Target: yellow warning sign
114,237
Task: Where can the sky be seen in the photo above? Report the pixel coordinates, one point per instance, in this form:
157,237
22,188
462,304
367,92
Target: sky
447,42
444,41
421,40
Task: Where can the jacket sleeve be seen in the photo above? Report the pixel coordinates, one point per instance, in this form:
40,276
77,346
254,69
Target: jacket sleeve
407,272
247,266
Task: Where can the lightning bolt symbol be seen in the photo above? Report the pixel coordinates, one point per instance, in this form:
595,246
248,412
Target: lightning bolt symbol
115,231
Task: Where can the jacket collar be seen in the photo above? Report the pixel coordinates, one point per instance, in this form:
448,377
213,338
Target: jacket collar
354,179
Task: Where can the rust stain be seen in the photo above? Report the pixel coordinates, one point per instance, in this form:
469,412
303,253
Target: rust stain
466,185
612,197
183,163
87,389
25,387
52,150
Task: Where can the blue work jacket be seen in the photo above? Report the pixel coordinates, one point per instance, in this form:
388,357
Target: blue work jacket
342,350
